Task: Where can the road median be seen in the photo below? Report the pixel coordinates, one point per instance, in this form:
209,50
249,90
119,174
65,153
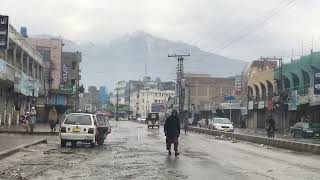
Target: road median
11,151
279,143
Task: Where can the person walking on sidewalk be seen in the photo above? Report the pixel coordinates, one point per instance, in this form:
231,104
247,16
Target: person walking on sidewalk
53,119
172,132
33,118
24,122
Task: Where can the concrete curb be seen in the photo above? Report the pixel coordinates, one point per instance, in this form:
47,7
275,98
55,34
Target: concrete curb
29,133
279,143
11,151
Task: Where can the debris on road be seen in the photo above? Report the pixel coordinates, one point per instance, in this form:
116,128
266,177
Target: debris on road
261,145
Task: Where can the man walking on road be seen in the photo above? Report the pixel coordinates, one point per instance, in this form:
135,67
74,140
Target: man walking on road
172,132
53,119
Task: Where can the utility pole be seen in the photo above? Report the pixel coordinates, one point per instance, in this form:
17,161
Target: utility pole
180,80
129,97
117,103
189,94
147,107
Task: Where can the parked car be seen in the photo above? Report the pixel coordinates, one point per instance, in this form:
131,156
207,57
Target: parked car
84,127
305,130
142,119
202,123
221,124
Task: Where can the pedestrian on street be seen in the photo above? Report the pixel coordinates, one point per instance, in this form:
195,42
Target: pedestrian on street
24,122
33,118
207,123
186,125
53,119
172,132
270,126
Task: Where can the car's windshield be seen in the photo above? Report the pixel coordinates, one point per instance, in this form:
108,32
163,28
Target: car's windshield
78,119
305,125
222,121
314,125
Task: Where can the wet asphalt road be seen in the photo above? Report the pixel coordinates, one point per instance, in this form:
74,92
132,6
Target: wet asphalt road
134,152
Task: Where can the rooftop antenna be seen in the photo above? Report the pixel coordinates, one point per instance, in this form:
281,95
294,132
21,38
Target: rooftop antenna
312,45
146,69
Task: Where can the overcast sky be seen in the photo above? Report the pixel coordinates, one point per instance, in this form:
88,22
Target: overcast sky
209,24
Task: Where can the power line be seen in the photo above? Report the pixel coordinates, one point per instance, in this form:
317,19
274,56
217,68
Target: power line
255,27
251,28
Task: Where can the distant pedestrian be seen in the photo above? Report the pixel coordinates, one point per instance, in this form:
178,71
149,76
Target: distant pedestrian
53,119
186,125
24,122
207,123
270,126
33,118
172,132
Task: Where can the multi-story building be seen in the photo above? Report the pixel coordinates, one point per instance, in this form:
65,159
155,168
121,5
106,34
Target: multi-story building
206,95
259,91
62,75
141,102
70,77
206,91
21,78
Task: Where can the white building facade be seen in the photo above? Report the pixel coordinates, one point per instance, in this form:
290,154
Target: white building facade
141,101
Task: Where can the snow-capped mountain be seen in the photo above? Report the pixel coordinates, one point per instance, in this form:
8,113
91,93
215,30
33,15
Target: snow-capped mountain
125,58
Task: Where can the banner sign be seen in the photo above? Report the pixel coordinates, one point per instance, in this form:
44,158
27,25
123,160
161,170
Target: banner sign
3,67
4,32
26,85
316,83
68,88
270,105
250,105
261,105
64,73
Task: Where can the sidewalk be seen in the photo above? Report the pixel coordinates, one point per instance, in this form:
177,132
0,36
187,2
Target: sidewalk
8,141
41,128
263,133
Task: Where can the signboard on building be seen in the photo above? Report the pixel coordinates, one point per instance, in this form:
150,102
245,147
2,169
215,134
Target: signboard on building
316,83
237,85
4,32
270,105
25,85
68,88
261,105
302,99
250,105
3,66
64,73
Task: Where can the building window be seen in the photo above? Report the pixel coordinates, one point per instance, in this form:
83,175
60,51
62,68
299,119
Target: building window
45,53
142,100
73,81
74,64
